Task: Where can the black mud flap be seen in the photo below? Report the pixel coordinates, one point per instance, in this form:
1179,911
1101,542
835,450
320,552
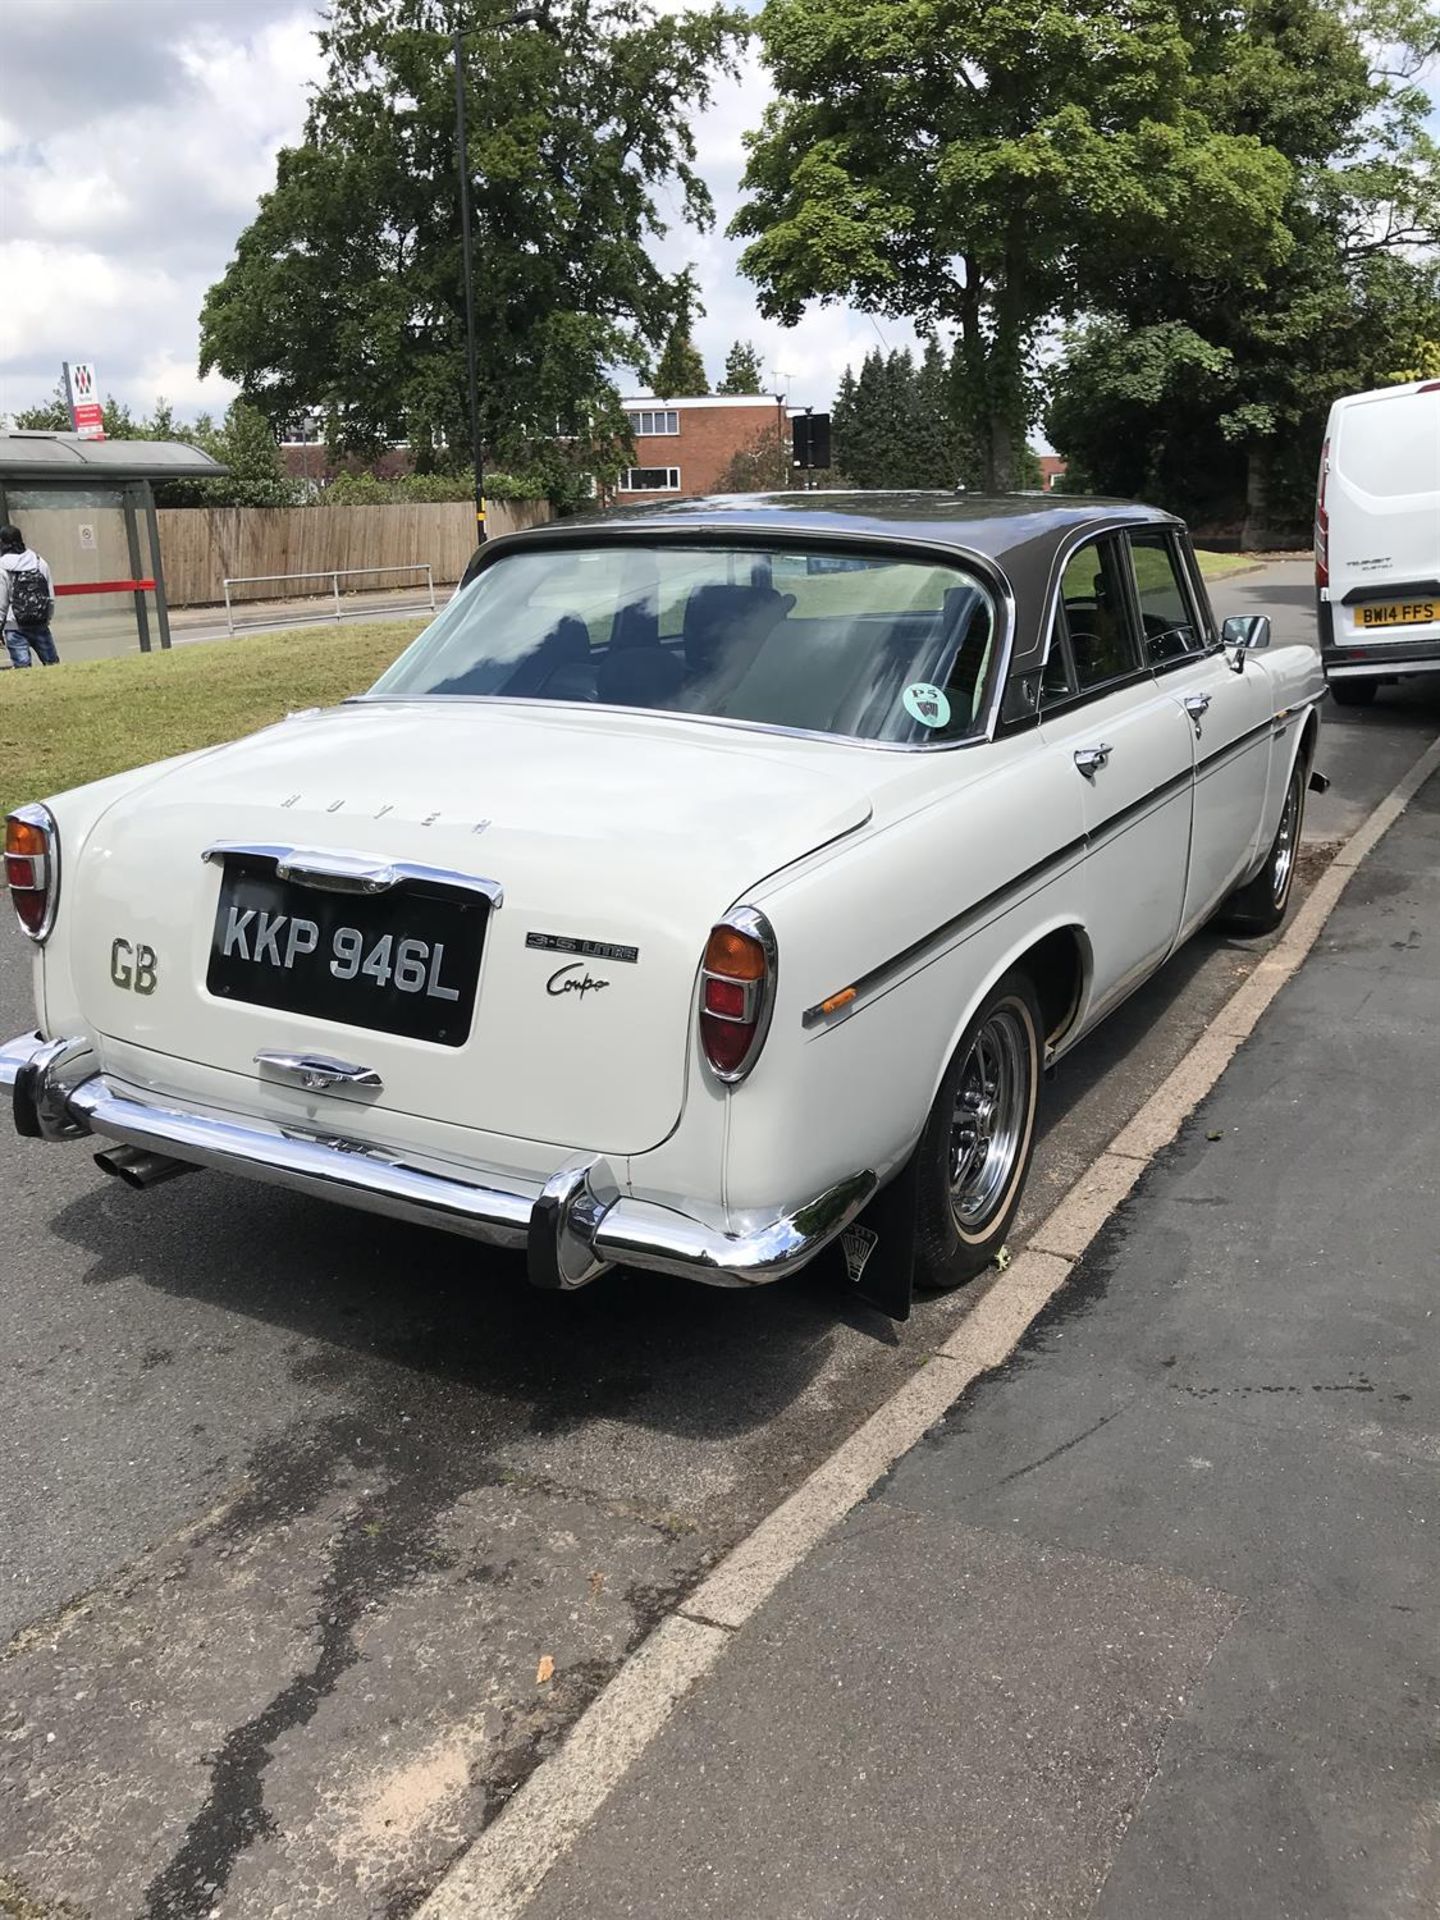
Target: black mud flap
879,1248
1319,782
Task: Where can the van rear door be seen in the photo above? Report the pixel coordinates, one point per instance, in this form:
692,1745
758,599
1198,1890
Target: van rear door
1383,497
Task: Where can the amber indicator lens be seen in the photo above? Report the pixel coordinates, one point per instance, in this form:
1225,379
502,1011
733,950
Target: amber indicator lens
27,875
735,955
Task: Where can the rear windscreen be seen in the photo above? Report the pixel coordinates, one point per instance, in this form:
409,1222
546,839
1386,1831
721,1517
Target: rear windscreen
1391,447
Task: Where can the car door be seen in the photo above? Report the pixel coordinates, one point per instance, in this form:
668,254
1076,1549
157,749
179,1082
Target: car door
1128,741
1230,716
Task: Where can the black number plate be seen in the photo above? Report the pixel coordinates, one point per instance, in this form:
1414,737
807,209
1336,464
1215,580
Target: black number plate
405,961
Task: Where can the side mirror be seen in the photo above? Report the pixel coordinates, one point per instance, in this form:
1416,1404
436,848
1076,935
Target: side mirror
1245,632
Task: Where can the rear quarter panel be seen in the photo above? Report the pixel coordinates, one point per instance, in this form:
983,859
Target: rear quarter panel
854,1091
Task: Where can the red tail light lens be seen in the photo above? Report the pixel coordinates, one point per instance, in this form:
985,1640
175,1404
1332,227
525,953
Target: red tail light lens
32,868
737,992
1322,523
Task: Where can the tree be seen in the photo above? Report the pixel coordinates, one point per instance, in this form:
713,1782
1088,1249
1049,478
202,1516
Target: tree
763,466
680,369
53,416
1211,393
345,292
989,166
744,372
244,444
897,426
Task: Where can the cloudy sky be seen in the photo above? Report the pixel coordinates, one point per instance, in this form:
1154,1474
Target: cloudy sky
147,131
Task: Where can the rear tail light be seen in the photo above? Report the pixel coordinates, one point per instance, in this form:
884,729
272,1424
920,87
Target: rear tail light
737,992
1322,523
32,868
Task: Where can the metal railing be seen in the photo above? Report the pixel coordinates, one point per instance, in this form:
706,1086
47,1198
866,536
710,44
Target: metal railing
333,574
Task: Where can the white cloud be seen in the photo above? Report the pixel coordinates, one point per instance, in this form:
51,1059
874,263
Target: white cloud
161,122
114,223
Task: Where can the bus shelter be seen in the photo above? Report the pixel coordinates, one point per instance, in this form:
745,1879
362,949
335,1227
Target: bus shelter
88,507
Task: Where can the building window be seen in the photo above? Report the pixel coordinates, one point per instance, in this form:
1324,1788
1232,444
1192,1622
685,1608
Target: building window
665,420
650,480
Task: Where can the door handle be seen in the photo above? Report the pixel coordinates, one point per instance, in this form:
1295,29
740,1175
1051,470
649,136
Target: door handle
1197,705
1090,760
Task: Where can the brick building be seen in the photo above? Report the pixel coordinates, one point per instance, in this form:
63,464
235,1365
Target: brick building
684,446
1052,468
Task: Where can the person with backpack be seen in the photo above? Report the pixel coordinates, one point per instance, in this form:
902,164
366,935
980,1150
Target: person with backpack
27,601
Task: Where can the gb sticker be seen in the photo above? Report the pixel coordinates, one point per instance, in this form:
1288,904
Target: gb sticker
926,703
132,968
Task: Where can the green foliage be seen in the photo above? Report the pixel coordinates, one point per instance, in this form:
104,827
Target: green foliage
245,443
369,490
989,164
53,416
1221,415
895,425
680,369
345,292
744,370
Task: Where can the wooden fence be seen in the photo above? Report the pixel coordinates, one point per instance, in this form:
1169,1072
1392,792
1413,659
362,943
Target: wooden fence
201,546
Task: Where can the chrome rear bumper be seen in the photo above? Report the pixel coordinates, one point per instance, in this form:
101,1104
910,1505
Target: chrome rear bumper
572,1228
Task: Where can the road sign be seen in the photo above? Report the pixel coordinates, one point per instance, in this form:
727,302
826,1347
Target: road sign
80,390
810,440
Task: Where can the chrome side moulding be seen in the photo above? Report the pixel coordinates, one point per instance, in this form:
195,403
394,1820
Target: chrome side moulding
574,1226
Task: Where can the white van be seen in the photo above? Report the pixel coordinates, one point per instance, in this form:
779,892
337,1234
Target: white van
1377,539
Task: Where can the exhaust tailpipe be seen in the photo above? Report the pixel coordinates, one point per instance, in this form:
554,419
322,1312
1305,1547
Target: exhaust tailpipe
140,1168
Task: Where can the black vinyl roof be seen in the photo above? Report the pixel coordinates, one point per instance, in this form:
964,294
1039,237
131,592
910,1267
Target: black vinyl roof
994,525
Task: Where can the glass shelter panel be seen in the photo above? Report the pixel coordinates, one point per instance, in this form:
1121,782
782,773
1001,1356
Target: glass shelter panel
96,539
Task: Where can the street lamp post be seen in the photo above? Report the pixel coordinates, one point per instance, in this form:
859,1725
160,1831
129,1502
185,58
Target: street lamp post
462,154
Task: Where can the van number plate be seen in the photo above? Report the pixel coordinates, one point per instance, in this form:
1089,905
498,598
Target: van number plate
406,962
1397,613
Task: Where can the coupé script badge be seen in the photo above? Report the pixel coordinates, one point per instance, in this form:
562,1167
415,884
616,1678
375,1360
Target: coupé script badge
561,982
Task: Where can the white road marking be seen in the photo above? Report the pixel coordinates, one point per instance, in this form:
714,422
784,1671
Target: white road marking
496,1879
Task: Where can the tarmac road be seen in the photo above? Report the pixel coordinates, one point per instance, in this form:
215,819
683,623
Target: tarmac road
295,1505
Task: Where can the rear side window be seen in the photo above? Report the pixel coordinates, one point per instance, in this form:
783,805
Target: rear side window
1390,447
1095,609
1171,628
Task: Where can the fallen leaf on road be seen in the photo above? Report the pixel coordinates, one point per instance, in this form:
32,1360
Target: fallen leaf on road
1216,1133
545,1671
597,1582
1002,1259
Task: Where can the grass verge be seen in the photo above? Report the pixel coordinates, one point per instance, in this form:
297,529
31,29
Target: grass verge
1215,566
61,726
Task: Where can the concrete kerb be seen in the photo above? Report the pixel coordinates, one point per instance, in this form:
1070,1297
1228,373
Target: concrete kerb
502,1870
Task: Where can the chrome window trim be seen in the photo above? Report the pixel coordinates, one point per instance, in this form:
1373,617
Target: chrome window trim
356,872
34,814
988,572
1065,552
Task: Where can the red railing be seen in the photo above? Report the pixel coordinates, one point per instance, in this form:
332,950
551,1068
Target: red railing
107,586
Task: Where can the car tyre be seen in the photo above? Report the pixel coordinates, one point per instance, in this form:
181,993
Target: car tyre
1260,905
1353,693
974,1154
